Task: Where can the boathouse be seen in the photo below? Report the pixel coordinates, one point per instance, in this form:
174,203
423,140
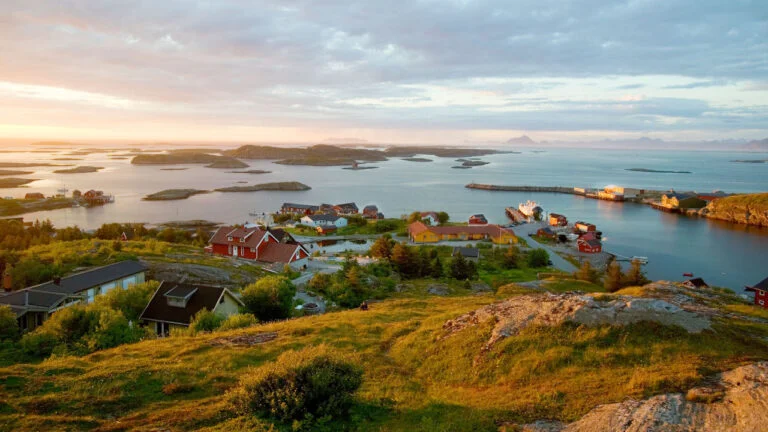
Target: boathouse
761,292
419,232
585,226
256,244
478,219
292,208
557,220
589,246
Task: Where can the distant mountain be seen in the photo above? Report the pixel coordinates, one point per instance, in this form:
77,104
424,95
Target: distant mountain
521,140
345,141
761,145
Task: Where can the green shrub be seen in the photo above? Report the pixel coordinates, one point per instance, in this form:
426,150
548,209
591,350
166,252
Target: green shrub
204,321
9,328
39,343
130,301
538,258
299,386
237,321
270,298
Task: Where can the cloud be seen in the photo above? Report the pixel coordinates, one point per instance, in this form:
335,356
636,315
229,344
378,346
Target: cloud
397,64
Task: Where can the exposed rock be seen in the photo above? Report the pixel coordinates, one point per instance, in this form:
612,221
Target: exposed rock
751,209
743,408
481,287
438,289
517,313
246,340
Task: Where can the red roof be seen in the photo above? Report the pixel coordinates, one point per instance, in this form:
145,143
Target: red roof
278,252
252,236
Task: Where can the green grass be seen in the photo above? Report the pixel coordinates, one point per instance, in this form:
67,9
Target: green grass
563,285
413,379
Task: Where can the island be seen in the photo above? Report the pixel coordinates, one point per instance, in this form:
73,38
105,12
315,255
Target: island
317,161
417,159
250,172
14,207
359,168
173,169
228,163
13,182
291,186
14,172
319,155
174,194
749,209
411,151
27,165
461,167
467,164
79,170
179,158
648,170
67,159
755,161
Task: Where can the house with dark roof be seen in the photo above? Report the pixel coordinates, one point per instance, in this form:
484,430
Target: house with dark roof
371,212
317,220
761,292
469,253
346,209
674,200
33,305
478,219
257,244
546,232
174,305
292,208
418,232
589,246
695,283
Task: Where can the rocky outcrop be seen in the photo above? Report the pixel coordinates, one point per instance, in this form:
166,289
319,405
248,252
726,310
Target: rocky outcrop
749,209
735,401
515,314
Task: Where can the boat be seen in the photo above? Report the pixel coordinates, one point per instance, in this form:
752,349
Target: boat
530,209
640,259
688,274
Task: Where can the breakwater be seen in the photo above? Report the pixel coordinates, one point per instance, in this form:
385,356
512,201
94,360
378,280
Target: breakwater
550,189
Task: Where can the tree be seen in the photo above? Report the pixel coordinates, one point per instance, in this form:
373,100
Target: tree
414,217
538,258
511,257
9,328
352,277
204,321
613,277
459,267
270,298
402,259
382,247
130,301
586,272
320,282
635,275
436,268
442,217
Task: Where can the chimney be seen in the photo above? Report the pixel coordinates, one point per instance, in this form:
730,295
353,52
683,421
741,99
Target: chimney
7,279
57,280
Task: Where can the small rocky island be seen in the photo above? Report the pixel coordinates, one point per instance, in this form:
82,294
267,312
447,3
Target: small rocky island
648,170
469,163
12,182
417,159
79,170
250,172
292,186
189,158
228,163
174,194
752,161
14,172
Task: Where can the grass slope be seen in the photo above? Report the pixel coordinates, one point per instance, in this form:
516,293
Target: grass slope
413,380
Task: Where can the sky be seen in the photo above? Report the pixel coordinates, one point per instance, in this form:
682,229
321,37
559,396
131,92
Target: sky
413,71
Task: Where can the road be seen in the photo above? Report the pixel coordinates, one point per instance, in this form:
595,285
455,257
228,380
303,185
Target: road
558,262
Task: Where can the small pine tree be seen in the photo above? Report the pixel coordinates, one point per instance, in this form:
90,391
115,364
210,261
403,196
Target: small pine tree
613,277
586,272
437,268
459,267
511,257
635,275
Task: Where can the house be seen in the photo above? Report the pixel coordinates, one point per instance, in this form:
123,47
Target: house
589,235
761,293
430,217
326,229
557,220
324,220
478,219
346,209
371,212
292,208
174,305
546,232
419,232
471,254
585,226
96,197
34,196
33,305
624,192
695,283
589,246
263,245
675,200
611,194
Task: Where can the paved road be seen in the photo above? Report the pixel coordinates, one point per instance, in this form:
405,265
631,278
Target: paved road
558,262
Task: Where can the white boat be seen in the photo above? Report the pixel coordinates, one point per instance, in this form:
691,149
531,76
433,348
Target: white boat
640,259
530,208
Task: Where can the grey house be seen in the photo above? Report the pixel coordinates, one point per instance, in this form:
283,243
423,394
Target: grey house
33,305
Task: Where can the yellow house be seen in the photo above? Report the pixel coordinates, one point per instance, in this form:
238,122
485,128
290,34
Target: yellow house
421,233
175,305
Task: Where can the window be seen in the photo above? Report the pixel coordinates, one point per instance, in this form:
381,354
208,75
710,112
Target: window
762,302
761,292
229,238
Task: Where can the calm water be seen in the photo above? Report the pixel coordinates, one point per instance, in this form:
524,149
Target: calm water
724,254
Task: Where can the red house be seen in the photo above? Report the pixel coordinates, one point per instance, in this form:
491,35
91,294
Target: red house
585,226
258,245
761,293
478,219
589,246
557,219
371,212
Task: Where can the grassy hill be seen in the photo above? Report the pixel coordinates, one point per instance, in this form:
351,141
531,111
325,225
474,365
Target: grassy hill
749,209
413,379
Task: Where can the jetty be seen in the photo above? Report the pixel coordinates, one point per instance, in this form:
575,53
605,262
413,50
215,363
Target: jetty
550,189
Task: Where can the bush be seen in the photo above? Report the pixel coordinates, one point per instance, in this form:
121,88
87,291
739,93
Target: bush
9,328
299,386
538,258
270,298
237,321
130,301
204,321
39,343
112,330
383,226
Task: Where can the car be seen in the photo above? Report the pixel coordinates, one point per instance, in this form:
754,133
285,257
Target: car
549,262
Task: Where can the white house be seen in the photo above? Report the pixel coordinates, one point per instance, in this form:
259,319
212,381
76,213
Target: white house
324,220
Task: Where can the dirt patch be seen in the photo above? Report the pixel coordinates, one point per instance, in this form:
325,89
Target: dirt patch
517,313
245,340
741,406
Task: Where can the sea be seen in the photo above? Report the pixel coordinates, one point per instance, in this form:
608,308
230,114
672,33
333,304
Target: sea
724,254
